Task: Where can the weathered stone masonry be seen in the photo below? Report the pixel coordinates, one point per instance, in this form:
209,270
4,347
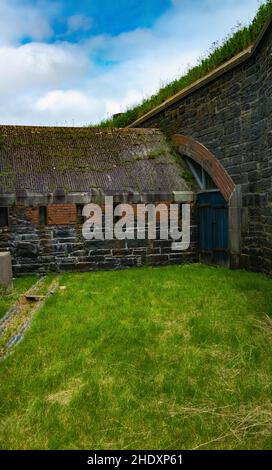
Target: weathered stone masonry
231,114
47,175
60,247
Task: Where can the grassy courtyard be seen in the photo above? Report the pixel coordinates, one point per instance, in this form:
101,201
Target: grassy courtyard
168,358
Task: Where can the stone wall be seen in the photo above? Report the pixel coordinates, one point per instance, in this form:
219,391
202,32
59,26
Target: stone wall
232,117
59,245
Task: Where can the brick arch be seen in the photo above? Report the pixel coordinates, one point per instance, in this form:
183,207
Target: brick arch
201,155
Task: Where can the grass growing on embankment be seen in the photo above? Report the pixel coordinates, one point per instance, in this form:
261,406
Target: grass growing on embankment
153,358
218,55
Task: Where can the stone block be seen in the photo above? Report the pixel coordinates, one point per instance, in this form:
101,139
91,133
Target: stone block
5,270
183,196
27,249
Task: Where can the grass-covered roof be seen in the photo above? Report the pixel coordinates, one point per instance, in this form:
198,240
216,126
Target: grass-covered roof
233,44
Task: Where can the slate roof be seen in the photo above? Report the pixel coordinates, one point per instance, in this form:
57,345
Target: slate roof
43,159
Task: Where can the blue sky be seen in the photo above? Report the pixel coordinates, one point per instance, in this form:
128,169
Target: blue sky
114,17
75,62
77,20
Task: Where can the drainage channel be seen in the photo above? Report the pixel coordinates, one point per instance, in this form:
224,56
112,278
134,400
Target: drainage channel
18,318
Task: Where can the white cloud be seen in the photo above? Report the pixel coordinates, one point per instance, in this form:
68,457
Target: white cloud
64,83
40,65
68,105
79,23
20,18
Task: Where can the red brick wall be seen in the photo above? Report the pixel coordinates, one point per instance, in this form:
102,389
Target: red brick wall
61,214
66,214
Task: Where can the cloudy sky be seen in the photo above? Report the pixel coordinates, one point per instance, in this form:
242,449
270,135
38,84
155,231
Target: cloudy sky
70,62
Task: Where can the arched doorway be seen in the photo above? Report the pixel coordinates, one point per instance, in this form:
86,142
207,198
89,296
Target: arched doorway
218,204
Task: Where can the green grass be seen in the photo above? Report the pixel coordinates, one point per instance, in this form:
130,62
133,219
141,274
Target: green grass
166,358
218,54
7,298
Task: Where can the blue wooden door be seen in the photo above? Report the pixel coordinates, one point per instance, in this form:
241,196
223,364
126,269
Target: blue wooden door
213,228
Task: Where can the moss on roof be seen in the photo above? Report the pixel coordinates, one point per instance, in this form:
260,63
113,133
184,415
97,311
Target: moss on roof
43,159
217,55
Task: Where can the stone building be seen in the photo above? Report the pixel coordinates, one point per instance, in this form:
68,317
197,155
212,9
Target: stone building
49,174
210,145
225,120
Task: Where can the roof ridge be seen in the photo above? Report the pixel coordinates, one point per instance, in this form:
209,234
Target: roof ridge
91,129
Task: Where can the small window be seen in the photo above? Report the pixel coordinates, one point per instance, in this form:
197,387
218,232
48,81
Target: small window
4,219
80,217
42,215
203,179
